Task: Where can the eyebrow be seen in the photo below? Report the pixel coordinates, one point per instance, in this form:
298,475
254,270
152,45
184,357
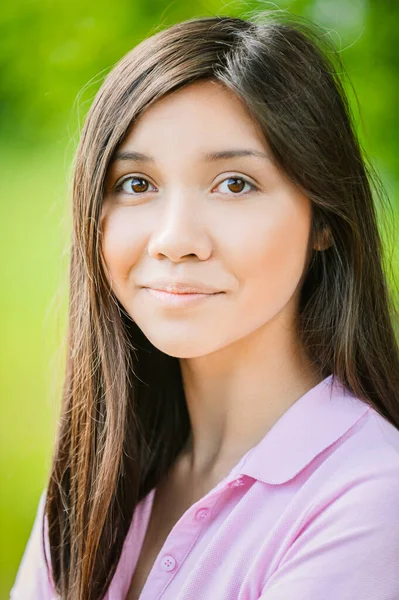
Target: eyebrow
206,157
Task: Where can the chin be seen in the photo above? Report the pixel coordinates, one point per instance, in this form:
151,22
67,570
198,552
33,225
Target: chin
182,349
186,346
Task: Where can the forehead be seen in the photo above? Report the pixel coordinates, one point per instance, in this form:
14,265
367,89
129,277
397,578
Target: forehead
202,115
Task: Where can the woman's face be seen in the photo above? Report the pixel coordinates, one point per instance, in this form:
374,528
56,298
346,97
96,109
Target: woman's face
234,224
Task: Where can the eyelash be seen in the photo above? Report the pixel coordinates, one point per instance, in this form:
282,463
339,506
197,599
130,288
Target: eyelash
118,186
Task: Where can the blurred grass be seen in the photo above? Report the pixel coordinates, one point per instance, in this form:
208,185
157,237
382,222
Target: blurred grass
32,242
48,57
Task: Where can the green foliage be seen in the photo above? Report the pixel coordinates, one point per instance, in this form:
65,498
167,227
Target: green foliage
53,59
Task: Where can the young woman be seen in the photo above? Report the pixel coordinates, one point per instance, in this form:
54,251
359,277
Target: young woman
231,404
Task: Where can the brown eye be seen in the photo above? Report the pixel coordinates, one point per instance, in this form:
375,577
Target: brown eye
133,186
138,184
236,185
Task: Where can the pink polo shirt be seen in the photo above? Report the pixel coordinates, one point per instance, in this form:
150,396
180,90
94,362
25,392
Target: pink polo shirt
311,512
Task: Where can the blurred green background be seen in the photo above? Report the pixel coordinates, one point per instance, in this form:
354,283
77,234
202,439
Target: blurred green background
53,58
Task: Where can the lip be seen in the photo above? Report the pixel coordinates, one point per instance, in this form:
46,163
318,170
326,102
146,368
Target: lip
181,287
179,299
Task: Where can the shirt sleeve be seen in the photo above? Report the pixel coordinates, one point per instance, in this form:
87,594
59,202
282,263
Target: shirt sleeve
32,580
348,548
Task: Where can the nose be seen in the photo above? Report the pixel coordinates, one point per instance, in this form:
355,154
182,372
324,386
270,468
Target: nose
180,231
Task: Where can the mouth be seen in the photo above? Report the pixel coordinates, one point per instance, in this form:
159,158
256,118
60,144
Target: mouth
178,299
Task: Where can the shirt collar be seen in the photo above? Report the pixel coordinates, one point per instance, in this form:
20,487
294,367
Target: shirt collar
315,421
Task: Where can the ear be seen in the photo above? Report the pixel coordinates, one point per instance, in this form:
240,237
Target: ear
323,239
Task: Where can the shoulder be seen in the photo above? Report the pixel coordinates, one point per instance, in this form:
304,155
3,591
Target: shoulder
362,485
371,447
346,539
33,580
343,526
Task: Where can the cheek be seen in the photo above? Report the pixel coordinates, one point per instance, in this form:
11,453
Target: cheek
120,245
272,255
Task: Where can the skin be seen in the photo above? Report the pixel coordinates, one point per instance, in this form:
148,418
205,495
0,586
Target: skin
242,364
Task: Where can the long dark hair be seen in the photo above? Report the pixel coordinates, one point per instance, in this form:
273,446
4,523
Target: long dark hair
124,418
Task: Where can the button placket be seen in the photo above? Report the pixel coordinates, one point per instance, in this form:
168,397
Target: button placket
174,555
168,562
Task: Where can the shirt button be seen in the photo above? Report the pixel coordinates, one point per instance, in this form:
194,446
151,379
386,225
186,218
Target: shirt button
237,482
202,514
168,563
